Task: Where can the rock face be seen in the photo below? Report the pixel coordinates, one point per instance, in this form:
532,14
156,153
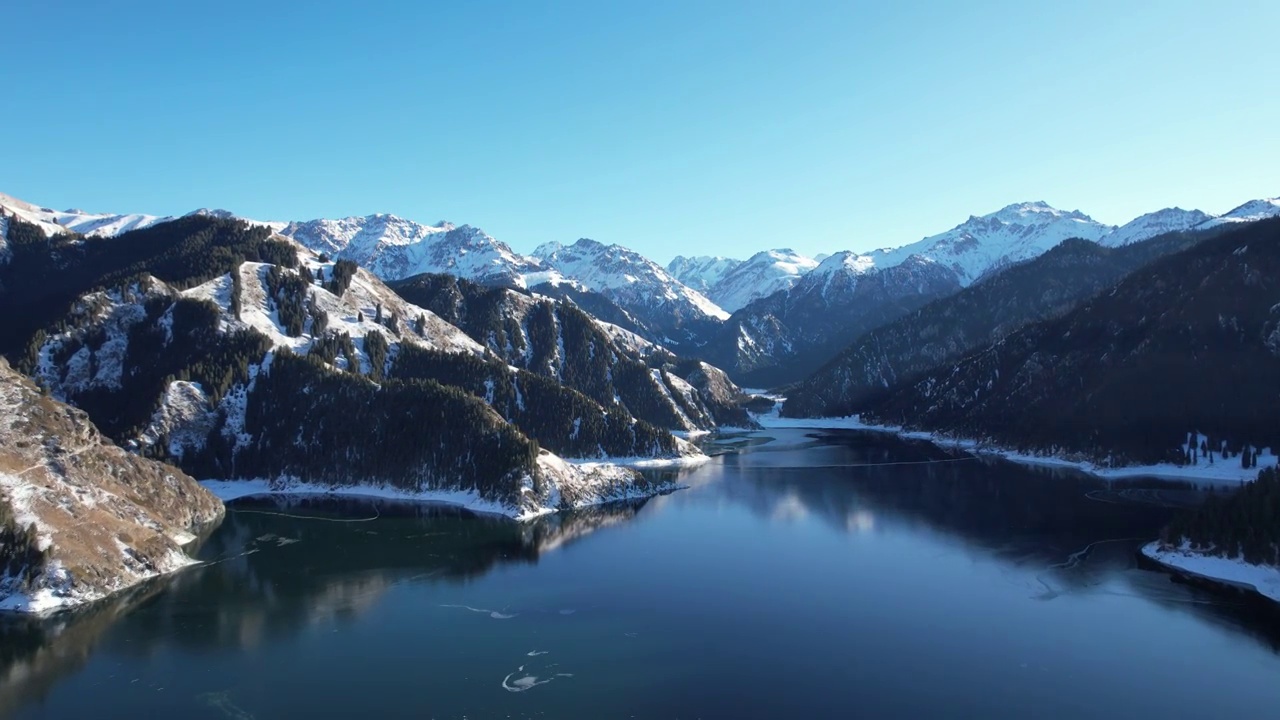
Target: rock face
79,517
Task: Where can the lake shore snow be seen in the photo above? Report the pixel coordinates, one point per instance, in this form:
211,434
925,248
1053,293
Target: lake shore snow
1226,472
1262,579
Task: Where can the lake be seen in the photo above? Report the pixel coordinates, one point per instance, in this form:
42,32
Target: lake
799,575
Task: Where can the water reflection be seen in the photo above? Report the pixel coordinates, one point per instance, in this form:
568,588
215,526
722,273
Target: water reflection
801,547
275,567
1082,532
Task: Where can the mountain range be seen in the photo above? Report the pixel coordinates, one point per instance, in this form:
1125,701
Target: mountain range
699,301
435,362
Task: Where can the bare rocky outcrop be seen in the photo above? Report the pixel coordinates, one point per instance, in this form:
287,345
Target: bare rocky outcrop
80,518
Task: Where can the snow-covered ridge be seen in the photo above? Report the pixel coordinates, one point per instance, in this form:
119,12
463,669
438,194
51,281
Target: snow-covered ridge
986,243
1152,224
1251,211
53,221
625,276
761,275
702,272
394,248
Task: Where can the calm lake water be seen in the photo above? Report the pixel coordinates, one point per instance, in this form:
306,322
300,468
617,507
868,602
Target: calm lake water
795,578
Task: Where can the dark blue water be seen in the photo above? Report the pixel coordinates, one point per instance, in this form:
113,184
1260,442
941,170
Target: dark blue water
790,580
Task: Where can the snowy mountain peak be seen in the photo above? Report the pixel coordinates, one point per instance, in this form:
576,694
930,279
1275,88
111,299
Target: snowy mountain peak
627,277
1152,224
53,222
1249,212
1027,213
394,248
763,274
983,244
701,272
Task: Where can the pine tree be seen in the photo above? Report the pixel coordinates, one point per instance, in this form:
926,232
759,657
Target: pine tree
359,316
420,326
377,313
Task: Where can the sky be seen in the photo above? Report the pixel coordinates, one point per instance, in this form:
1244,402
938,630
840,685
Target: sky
693,127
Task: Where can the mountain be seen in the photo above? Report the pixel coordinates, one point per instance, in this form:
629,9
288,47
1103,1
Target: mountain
983,244
653,302
1153,224
394,248
1188,344
1249,212
981,314
78,221
79,517
643,288
557,340
702,272
786,336
759,276
237,353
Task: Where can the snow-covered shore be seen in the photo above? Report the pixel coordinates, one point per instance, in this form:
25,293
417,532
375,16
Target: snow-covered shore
1262,579
1227,472
577,484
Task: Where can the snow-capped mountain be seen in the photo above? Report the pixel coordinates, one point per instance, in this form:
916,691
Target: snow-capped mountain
761,275
785,336
92,224
1153,224
701,272
394,248
1248,212
620,271
635,283
989,242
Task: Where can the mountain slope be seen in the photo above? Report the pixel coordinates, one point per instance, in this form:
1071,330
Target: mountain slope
979,315
1187,344
79,517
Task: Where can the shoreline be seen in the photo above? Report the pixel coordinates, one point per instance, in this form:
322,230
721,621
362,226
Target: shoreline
229,491
1222,573
1223,473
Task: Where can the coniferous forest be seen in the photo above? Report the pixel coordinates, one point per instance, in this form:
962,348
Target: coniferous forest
1243,523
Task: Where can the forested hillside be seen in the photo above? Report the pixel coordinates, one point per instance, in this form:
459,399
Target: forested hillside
235,354
559,341
44,275
1190,343
946,329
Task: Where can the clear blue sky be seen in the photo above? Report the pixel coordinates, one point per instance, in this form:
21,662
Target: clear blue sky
671,127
